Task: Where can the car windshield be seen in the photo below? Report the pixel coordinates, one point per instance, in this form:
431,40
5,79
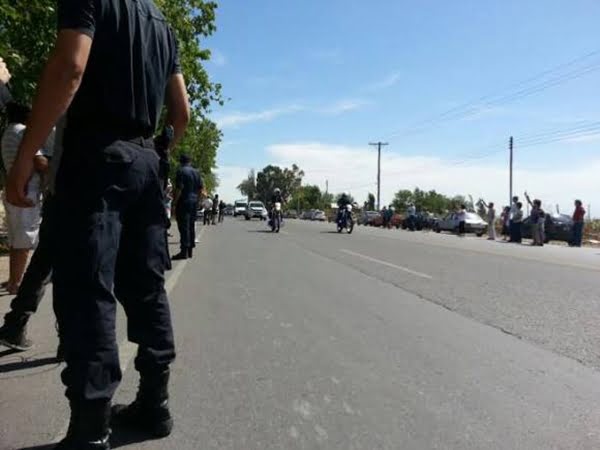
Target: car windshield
473,217
256,205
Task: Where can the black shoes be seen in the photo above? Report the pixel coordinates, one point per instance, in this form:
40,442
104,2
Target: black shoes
88,427
183,254
180,256
15,338
149,412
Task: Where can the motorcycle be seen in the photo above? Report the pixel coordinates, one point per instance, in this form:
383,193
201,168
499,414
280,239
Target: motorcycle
346,220
276,218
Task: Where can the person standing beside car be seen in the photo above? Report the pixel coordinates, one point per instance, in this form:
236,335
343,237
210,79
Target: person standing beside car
578,223
517,224
491,220
462,220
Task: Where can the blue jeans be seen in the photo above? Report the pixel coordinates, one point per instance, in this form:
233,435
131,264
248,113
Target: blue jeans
577,234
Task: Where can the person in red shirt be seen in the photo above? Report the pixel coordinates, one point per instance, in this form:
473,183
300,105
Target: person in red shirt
577,232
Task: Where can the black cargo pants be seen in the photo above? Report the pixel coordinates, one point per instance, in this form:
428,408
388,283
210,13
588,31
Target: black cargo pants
185,213
39,270
111,244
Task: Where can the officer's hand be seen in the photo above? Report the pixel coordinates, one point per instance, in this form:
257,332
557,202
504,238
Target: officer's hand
4,73
16,185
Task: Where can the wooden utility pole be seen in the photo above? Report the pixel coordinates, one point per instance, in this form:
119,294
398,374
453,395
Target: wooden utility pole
510,189
378,145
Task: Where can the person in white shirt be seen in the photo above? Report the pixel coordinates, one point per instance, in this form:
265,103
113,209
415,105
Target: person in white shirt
22,223
491,220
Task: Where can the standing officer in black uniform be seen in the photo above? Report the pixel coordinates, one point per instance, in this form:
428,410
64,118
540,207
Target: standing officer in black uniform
112,65
188,187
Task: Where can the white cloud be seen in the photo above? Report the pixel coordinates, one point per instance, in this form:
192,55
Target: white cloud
585,138
235,119
343,106
354,169
390,80
218,58
229,178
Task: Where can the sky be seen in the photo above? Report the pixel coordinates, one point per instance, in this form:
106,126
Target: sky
446,84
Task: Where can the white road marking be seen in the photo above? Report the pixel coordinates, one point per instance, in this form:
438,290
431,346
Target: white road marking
387,264
127,350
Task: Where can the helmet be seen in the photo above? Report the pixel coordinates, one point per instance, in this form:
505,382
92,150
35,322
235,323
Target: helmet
277,190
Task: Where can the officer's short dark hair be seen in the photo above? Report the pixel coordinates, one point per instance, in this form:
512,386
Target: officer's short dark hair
17,112
185,159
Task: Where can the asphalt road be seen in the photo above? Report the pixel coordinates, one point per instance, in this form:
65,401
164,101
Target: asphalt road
379,340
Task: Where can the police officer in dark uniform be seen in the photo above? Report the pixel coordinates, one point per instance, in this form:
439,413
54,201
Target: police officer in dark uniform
188,186
114,65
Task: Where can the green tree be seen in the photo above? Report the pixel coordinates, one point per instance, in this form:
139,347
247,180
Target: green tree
248,186
308,197
28,32
288,180
402,199
371,202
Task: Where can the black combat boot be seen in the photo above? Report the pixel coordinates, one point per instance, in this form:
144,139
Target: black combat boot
150,410
14,336
181,255
88,427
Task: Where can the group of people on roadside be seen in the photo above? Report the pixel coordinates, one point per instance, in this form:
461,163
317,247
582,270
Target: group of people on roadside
512,218
213,210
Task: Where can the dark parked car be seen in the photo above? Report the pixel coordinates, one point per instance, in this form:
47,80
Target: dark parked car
367,217
422,221
558,227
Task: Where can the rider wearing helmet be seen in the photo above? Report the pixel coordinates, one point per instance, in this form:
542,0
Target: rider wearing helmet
277,197
344,200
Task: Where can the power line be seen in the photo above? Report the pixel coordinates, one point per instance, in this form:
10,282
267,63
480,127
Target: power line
471,107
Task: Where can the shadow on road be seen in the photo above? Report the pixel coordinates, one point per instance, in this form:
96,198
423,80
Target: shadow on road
329,232
260,231
28,364
40,447
121,438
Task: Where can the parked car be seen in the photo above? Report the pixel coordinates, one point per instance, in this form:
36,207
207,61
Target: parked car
290,214
473,224
423,221
395,222
239,208
558,228
256,210
319,216
307,215
367,217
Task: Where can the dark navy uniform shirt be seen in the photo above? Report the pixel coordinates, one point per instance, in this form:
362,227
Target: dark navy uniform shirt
133,56
189,182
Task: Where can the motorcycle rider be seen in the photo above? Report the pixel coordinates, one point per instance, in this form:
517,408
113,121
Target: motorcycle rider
277,197
343,201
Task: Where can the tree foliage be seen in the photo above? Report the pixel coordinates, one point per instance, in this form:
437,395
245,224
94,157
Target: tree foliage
248,186
429,201
370,203
288,180
28,32
311,197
